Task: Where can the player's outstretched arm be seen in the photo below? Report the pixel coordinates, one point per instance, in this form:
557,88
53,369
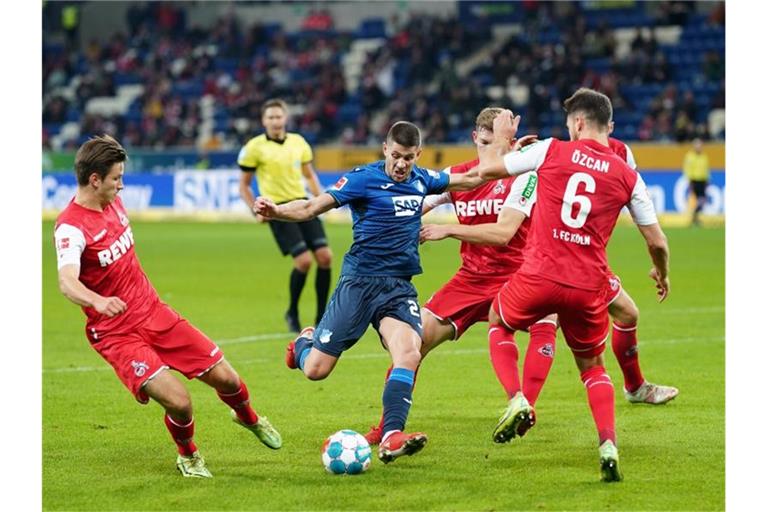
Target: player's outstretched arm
74,290
491,233
299,210
658,248
465,181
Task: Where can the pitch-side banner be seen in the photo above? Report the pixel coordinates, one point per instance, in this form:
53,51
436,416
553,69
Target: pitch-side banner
195,191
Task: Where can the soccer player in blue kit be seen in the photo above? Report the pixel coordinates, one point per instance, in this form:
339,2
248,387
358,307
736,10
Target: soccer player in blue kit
375,282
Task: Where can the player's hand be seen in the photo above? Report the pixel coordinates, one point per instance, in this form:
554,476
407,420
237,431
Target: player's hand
662,285
264,207
433,232
505,125
525,140
110,306
259,218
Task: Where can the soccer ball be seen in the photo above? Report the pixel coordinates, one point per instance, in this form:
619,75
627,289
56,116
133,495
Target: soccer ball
346,453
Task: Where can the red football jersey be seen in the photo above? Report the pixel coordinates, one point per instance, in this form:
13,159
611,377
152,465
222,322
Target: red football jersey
623,151
482,205
582,187
102,244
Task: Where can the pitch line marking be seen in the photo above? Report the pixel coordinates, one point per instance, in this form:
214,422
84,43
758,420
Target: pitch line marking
383,355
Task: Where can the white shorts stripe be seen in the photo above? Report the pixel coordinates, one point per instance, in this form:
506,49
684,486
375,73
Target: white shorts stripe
455,329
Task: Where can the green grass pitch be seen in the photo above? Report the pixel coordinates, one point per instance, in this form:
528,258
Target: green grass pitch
103,451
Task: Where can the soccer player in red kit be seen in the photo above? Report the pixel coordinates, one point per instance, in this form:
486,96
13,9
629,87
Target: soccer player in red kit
625,315
582,185
466,298
127,323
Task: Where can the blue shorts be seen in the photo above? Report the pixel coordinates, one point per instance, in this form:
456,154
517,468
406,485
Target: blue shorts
362,300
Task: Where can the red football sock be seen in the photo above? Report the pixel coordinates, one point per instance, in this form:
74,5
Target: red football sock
182,435
386,378
601,401
538,359
504,355
240,402
624,343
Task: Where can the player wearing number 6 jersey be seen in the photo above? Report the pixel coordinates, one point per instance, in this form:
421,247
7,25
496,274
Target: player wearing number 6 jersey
466,298
582,187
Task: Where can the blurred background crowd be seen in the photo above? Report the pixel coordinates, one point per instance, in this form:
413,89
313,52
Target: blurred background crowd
157,78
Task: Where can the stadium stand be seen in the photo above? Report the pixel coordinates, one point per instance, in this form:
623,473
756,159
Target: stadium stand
161,79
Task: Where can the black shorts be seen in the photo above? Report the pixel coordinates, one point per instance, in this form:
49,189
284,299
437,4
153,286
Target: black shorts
296,237
699,189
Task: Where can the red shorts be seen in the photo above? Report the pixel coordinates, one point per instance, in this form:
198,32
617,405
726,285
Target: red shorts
166,340
465,300
583,314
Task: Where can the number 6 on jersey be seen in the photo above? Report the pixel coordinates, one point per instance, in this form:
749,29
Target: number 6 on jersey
570,198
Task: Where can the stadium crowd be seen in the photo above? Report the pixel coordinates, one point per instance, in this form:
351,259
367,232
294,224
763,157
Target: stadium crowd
193,75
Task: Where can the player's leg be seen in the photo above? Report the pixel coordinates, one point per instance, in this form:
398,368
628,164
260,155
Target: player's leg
435,332
585,323
302,353
171,394
539,357
142,369
600,396
625,315
324,258
519,416
403,344
291,241
316,350
302,262
504,352
314,236
232,390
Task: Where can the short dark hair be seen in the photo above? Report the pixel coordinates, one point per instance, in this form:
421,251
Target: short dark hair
404,133
595,106
274,102
98,155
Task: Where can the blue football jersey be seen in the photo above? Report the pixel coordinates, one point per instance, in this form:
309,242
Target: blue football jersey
386,218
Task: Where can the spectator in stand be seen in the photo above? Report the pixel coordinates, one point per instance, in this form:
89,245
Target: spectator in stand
318,20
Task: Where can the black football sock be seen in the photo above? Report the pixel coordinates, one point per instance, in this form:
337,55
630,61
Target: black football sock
297,281
322,286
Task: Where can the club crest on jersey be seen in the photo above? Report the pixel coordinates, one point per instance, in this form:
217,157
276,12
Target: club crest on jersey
614,283
406,206
340,184
139,368
325,336
123,219
547,350
499,188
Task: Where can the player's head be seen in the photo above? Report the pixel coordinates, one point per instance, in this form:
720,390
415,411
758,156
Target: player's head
99,165
587,111
401,150
482,135
274,116
698,145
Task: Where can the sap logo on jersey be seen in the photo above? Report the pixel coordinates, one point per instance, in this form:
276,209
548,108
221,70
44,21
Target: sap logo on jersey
117,249
405,206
